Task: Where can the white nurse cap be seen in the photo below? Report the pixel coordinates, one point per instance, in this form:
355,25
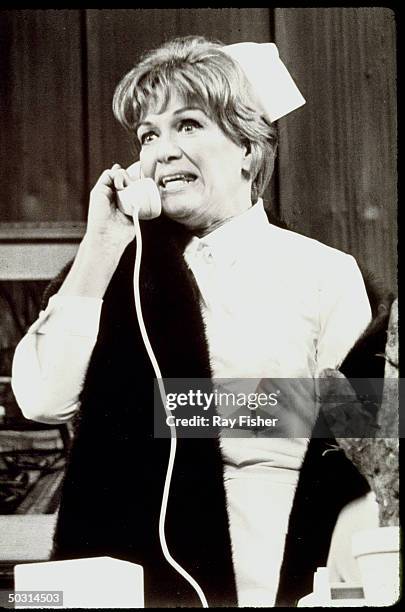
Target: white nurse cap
273,86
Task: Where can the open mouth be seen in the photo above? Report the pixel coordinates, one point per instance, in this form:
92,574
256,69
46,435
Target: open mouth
171,182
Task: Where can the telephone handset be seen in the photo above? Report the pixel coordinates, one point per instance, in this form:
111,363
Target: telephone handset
142,194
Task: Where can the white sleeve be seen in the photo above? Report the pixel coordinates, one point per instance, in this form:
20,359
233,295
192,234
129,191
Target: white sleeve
344,311
51,361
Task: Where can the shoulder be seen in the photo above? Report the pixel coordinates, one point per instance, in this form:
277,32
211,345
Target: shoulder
326,259
305,252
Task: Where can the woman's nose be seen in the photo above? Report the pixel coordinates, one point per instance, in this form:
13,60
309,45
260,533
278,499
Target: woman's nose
168,149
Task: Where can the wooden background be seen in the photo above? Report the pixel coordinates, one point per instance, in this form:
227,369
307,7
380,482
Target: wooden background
336,175
337,168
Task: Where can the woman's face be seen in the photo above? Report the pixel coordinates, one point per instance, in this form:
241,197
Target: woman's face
196,167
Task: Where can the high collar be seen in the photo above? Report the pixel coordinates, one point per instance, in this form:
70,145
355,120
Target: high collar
228,241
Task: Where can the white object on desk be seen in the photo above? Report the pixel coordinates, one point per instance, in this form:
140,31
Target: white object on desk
332,595
378,554
99,582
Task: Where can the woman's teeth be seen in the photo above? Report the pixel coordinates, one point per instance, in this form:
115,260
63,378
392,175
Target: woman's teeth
176,182
173,185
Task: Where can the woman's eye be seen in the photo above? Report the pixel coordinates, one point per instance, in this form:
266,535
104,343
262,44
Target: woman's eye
189,125
147,137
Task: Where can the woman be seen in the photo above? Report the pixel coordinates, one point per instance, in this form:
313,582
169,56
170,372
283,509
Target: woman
226,294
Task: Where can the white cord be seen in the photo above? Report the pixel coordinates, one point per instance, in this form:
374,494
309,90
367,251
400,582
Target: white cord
173,438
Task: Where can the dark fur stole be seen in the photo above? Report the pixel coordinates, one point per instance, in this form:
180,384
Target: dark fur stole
328,480
113,486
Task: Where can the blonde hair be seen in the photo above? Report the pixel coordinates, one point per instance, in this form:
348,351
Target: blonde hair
200,72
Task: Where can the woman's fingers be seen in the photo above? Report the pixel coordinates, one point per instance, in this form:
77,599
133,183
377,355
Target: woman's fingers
120,177
114,177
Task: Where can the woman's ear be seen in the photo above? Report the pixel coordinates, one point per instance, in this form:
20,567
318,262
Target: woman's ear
247,158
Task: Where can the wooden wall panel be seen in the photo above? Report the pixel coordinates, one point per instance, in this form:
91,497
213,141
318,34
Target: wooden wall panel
337,169
338,153
41,127
117,38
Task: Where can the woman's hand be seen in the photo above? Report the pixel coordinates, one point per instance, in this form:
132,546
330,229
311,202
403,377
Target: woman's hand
106,224
108,233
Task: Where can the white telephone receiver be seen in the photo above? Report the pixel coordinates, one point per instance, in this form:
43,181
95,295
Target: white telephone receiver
141,195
